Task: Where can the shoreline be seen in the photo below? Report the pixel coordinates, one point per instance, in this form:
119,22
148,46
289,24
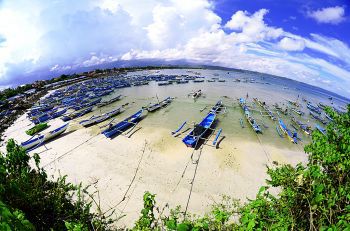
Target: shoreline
237,168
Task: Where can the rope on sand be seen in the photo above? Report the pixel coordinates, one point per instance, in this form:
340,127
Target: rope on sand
132,180
67,152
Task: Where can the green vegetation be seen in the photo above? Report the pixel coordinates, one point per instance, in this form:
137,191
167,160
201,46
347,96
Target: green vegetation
313,196
9,92
37,128
29,200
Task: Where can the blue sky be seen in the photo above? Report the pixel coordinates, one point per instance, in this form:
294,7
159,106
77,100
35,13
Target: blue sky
303,40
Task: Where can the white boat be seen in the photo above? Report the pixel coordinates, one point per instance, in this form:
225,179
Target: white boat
98,119
197,94
36,142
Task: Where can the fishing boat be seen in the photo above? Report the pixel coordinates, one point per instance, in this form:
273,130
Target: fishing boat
164,83
199,131
266,108
321,129
211,80
221,80
322,105
156,106
292,136
36,142
295,103
304,127
248,116
313,108
198,80
87,104
196,94
328,117
49,116
118,128
98,119
104,103
217,107
280,109
77,114
317,117
297,111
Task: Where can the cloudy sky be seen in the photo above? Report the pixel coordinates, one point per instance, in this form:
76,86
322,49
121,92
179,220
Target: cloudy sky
301,39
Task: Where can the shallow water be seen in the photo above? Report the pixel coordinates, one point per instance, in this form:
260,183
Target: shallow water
185,108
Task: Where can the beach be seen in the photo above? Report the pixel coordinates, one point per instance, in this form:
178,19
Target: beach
150,159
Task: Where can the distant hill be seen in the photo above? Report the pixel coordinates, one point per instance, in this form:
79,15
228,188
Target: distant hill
182,63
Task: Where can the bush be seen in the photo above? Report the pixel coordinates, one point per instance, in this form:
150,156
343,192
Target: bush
28,198
315,196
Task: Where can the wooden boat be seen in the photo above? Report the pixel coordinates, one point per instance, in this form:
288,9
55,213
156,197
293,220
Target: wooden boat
87,104
304,127
164,83
328,117
77,114
36,129
221,80
198,80
322,105
182,82
321,129
49,116
101,104
249,118
199,131
211,80
297,111
98,119
317,117
266,108
156,106
196,94
36,142
313,108
295,103
217,107
118,128
292,136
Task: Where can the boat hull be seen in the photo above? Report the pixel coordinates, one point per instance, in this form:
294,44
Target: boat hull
201,130
31,143
121,126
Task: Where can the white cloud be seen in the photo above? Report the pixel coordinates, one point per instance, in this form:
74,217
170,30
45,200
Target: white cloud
291,44
46,35
251,28
332,15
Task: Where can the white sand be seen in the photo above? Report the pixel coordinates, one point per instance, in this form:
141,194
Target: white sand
237,169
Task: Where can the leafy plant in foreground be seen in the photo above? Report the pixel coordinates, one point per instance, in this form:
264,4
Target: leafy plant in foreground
28,198
312,196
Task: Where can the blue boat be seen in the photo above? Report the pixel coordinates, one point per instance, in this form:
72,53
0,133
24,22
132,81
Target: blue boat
313,108
77,114
248,116
49,116
121,126
292,136
321,129
200,130
217,107
98,119
36,142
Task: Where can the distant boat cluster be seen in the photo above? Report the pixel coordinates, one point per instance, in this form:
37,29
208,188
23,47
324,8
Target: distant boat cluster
74,101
